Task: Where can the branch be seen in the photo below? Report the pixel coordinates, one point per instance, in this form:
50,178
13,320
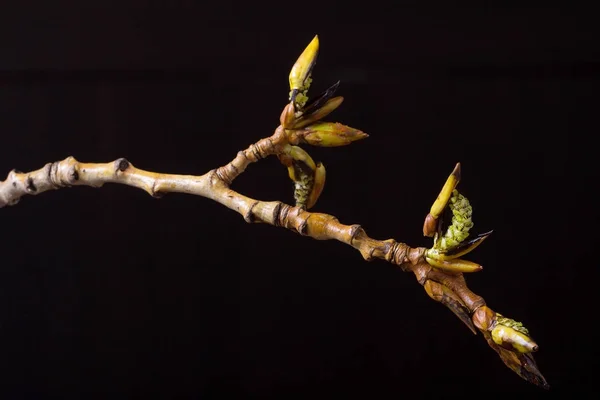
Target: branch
215,185
438,269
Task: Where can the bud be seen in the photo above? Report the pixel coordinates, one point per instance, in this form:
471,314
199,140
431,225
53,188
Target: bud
442,200
434,290
318,185
429,226
287,117
458,251
298,154
329,134
320,113
300,73
321,99
510,338
447,297
483,317
292,172
465,247
456,265
308,177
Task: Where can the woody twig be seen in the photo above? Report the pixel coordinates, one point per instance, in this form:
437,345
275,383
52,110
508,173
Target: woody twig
440,269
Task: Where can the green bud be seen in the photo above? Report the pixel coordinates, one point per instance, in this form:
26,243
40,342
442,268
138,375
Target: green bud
330,134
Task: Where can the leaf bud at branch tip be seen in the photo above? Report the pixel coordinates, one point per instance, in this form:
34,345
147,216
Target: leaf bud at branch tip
300,73
442,200
513,339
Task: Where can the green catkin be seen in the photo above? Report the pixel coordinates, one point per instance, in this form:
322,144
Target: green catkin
462,223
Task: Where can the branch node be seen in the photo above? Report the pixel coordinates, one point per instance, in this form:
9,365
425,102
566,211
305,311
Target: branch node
479,302
277,214
74,174
416,255
30,185
400,253
368,256
421,272
354,230
54,175
303,227
122,164
12,177
157,194
249,215
284,212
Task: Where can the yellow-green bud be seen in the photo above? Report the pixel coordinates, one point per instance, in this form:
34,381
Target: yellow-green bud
330,134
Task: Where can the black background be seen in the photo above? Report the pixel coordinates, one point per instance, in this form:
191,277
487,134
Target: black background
109,293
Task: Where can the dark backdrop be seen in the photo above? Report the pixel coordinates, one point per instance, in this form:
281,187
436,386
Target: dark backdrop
109,293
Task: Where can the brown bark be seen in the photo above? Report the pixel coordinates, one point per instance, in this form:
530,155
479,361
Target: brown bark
447,287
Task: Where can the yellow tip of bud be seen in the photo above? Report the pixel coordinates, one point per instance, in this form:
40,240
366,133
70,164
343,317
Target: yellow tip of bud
442,200
303,66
